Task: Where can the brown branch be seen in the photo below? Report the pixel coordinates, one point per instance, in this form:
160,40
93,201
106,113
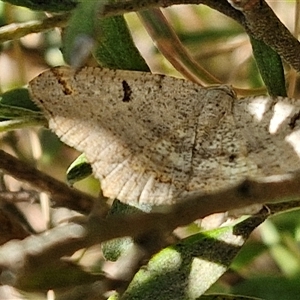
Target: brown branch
121,7
262,23
268,190
61,194
65,240
271,190
170,46
255,16
10,227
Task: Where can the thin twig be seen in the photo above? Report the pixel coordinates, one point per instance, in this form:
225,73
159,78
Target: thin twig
18,30
171,47
19,196
61,194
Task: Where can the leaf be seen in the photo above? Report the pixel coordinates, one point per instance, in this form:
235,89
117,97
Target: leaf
81,33
110,37
18,111
116,48
78,170
226,297
56,275
270,66
19,98
48,5
187,269
13,112
269,287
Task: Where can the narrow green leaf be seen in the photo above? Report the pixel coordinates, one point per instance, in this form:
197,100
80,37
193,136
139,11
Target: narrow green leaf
226,297
13,112
116,48
18,111
270,66
188,269
19,98
81,33
78,170
109,37
22,123
56,275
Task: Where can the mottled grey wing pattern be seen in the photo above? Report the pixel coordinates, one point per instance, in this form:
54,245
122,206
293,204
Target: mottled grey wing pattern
271,127
149,138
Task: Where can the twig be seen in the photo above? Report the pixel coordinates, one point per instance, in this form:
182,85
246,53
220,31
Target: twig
263,24
268,190
19,196
171,47
118,8
61,194
65,240
255,16
18,30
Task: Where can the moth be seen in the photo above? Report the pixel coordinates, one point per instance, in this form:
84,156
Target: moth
155,139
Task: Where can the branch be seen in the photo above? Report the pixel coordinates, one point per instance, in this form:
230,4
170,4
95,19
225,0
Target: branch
271,189
61,194
255,16
18,30
262,23
65,240
122,7
71,237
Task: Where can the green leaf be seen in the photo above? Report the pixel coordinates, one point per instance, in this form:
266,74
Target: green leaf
116,48
78,170
188,269
56,275
19,98
226,297
270,66
109,37
268,287
22,123
81,33
13,112
48,5
18,111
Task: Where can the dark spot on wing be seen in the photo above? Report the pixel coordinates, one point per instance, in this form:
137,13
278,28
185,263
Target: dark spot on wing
127,91
232,157
65,88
